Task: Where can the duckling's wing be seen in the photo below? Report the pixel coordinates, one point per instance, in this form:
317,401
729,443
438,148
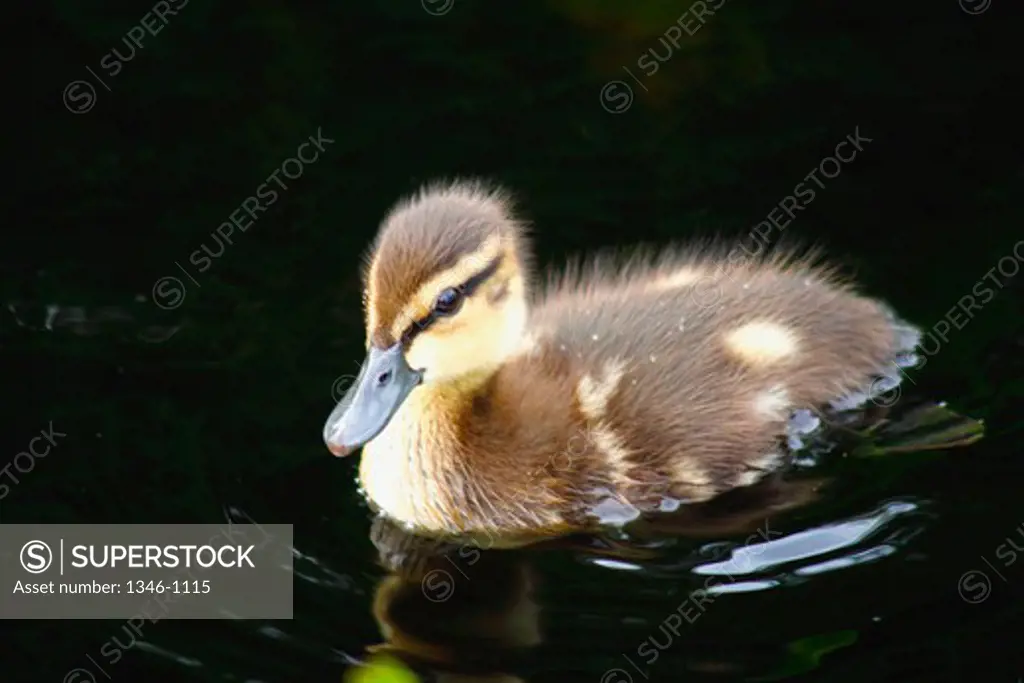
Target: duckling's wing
698,370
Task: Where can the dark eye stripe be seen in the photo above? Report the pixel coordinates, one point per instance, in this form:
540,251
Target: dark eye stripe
466,289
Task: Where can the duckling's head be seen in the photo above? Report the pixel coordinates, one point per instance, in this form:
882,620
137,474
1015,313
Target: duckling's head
445,293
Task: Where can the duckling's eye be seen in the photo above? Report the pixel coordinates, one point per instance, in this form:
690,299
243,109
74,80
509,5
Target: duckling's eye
448,302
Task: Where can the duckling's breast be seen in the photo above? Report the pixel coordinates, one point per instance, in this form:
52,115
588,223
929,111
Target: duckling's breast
403,471
477,465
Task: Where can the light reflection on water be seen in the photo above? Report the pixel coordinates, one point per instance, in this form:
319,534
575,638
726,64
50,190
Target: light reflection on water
820,545
764,563
808,544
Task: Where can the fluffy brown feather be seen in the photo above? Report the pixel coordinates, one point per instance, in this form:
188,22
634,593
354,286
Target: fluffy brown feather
426,234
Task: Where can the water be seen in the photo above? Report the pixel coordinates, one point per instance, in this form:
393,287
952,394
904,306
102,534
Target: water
189,375
866,581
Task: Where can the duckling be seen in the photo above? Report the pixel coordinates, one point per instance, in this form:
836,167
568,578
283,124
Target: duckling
488,407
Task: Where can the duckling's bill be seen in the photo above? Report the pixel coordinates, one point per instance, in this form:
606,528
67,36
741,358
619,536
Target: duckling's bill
384,382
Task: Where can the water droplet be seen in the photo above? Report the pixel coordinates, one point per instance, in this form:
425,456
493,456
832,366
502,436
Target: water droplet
669,505
653,358
594,337
51,313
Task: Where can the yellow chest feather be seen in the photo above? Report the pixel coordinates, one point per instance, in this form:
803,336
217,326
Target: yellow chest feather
394,475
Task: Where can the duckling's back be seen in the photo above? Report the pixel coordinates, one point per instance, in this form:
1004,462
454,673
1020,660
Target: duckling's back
688,370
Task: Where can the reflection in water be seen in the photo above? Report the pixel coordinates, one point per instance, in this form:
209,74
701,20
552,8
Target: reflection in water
461,613
468,611
138,320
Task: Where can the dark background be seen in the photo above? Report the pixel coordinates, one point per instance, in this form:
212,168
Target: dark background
174,414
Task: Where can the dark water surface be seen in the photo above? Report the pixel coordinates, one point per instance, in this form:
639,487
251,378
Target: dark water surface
191,375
